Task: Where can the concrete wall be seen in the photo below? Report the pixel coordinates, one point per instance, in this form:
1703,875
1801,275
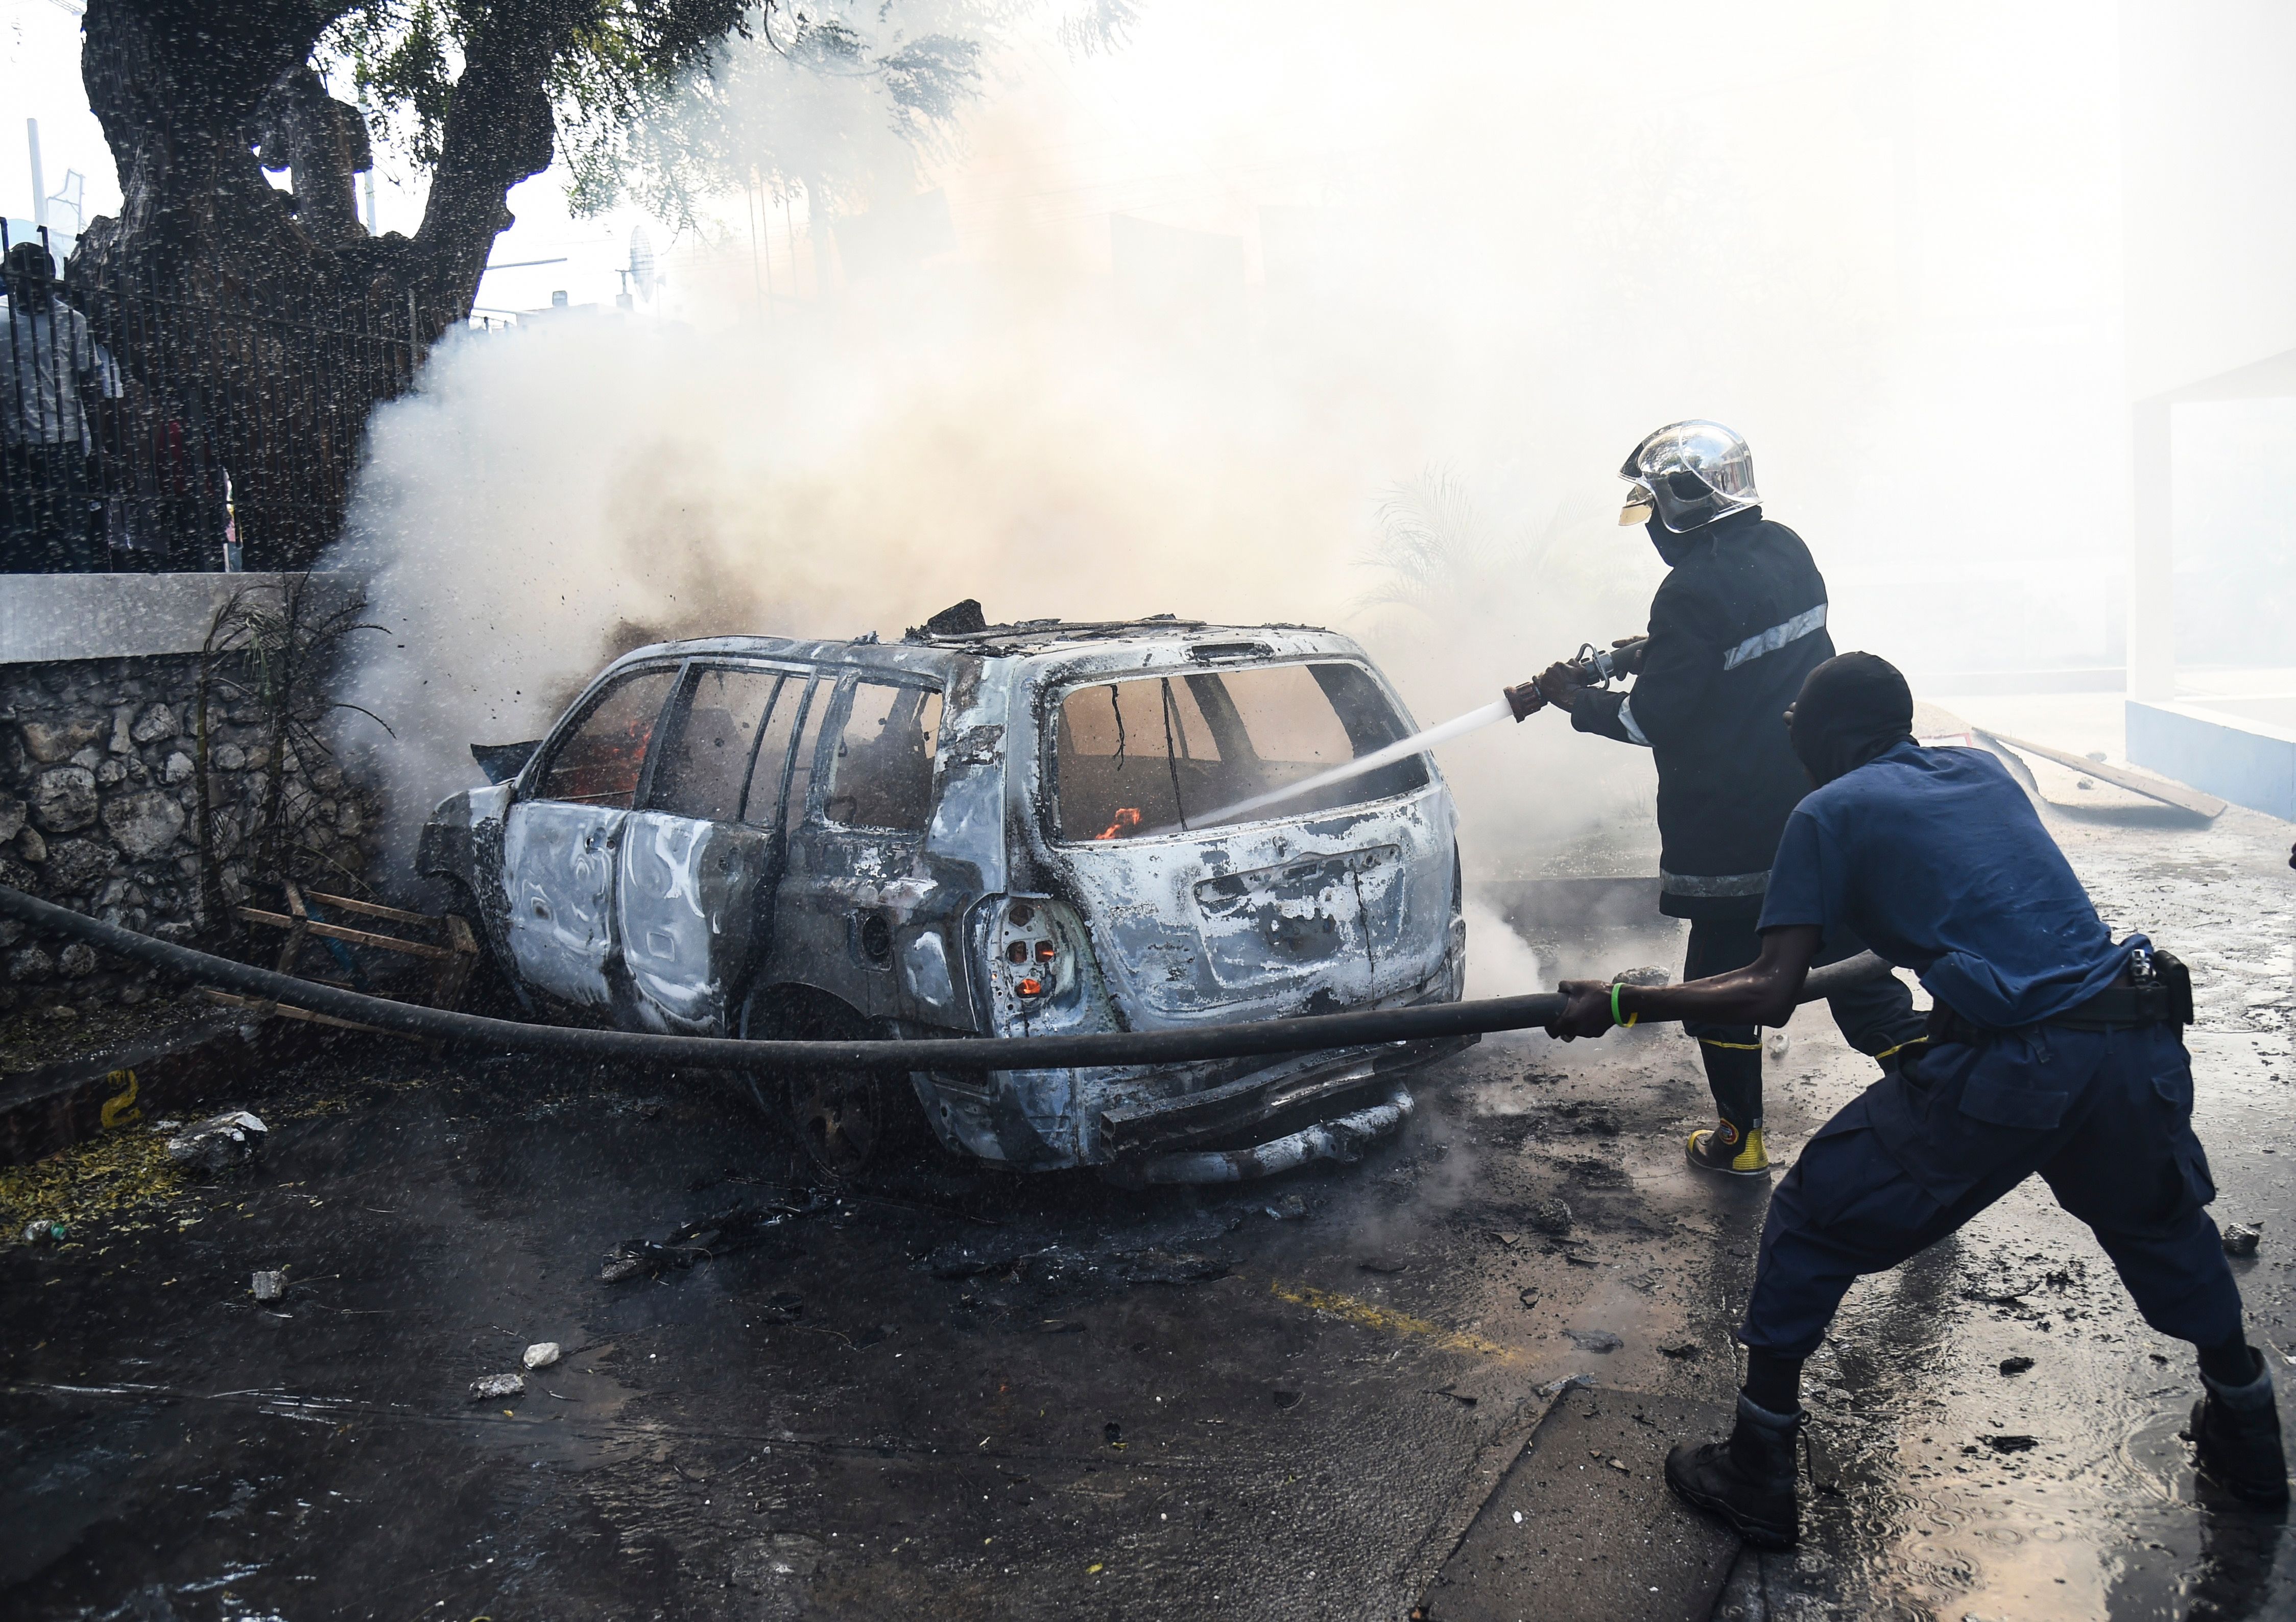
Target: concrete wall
2248,762
46,617
2207,129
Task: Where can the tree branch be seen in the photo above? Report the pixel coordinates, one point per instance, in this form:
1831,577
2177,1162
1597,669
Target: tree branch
499,131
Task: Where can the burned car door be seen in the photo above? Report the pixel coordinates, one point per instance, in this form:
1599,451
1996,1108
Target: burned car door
695,891
560,838
851,886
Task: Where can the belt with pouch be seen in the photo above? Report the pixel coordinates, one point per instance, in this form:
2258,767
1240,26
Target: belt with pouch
2156,989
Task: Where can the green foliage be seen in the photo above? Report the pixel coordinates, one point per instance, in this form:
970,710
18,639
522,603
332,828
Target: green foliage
837,99
611,57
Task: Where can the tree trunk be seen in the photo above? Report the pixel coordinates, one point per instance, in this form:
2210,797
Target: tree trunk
257,335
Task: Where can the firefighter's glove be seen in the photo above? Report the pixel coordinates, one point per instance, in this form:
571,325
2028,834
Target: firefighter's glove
1562,683
1587,1014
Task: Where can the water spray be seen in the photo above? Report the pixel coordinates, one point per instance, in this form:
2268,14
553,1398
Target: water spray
1591,669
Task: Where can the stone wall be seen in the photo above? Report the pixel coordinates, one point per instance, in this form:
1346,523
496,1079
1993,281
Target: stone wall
99,804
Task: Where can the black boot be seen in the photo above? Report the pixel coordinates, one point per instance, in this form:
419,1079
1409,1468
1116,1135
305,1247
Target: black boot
1748,1480
2237,1437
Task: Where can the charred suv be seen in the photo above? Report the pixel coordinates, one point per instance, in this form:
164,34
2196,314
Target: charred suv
991,831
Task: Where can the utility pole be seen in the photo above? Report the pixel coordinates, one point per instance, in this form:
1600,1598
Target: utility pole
39,181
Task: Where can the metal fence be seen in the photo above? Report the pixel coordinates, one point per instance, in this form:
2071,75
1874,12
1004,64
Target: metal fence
150,429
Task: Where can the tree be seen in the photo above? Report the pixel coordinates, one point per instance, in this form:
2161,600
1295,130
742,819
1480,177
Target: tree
250,319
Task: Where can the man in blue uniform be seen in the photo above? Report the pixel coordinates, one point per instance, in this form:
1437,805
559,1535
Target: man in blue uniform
2052,1049
1734,629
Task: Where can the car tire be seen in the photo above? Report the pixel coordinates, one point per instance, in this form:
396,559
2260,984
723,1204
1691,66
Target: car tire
847,1121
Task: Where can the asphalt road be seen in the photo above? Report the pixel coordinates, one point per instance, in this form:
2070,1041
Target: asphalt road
958,1394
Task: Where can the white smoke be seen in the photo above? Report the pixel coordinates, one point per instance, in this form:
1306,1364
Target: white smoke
1503,240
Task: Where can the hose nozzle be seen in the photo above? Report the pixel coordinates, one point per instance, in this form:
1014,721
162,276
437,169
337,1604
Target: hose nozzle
1525,701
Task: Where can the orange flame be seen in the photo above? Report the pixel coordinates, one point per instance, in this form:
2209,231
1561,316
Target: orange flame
1128,817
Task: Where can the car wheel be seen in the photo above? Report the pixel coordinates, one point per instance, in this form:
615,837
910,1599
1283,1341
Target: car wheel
847,1120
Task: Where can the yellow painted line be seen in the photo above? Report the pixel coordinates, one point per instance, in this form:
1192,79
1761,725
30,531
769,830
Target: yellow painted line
1368,1314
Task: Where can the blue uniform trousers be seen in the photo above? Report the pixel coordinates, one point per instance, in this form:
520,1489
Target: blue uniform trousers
2105,1117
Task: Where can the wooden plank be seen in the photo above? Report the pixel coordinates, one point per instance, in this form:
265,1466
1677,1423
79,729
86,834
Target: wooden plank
296,929
448,981
375,909
289,1011
2153,788
335,931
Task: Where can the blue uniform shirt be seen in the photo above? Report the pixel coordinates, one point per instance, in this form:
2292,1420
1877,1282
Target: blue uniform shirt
1935,858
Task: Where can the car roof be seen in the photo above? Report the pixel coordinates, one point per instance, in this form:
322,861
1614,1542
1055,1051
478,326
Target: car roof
927,651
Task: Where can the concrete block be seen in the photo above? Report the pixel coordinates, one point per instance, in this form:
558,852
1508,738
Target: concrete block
46,617
2248,762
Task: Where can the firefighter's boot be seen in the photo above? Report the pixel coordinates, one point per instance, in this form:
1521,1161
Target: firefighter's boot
2236,1438
1747,1481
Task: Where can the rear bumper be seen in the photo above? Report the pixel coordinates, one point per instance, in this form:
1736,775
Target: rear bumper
1231,1110
1055,1120
1344,1138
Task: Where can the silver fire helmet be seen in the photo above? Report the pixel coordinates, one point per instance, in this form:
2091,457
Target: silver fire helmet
1694,472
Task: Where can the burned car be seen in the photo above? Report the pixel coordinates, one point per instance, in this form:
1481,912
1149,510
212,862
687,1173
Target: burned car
986,831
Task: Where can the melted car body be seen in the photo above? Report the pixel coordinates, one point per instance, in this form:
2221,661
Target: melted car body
993,833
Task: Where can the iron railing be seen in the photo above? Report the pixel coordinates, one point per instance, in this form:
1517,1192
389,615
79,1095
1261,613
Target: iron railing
151,428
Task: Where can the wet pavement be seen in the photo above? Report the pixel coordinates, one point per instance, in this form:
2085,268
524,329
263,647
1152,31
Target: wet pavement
954,1393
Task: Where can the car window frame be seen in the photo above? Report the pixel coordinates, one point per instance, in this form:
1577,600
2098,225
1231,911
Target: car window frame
834,725
1054,694
689,680
529,781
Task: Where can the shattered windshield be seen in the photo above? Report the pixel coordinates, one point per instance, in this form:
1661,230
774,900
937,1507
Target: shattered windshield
1149,754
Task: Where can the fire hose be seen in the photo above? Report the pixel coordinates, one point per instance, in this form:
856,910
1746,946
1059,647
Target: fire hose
1085,1048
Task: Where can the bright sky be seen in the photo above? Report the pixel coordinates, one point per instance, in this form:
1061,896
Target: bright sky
39,79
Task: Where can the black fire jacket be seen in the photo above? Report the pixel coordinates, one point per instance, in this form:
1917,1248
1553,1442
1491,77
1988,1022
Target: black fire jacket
1734,629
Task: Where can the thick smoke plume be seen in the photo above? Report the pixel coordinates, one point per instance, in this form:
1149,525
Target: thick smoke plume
1346,325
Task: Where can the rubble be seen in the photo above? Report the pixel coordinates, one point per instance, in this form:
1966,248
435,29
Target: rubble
269,1286
1115,1261
1601,1341
219,1143
541,1354
736,1228
494,1388
2241,1238
2015,1365
1551,1216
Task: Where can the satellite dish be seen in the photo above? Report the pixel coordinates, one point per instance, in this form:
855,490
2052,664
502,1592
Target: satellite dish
642,261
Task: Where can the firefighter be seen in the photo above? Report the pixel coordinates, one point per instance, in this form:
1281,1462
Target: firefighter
1735,625
2054,1049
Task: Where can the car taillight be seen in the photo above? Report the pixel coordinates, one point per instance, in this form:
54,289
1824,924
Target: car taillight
1033,953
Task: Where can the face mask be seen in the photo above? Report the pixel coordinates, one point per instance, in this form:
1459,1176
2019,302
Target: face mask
1672,547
